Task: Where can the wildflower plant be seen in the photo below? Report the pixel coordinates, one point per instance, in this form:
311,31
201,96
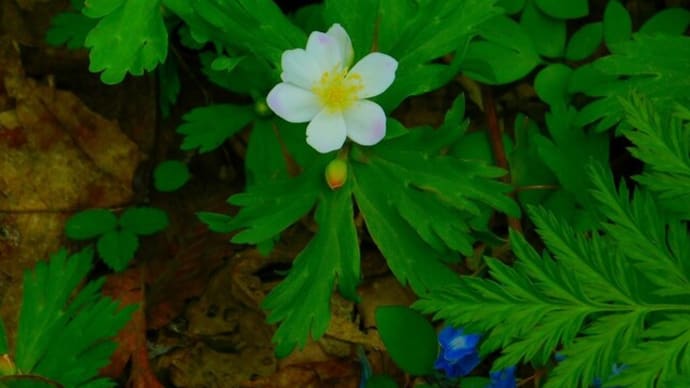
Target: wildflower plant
611,286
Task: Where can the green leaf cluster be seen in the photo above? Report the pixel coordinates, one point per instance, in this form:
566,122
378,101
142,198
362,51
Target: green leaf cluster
425,215
618,295
118,239
64,334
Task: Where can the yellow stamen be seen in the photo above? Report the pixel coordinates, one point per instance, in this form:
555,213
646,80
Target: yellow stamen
337,90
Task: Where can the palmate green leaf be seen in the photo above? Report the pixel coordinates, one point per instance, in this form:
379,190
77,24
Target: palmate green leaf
269,208
302,300
417,33
206,128
70,29
130,38
63,336
254,26
568,149
654,65
427,201
663,144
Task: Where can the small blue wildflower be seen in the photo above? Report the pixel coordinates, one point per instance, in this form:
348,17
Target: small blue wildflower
504,378
458,352
615,371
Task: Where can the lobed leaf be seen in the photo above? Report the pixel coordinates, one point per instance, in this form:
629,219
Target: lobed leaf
130,38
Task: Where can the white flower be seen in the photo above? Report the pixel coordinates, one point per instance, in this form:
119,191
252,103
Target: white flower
318,86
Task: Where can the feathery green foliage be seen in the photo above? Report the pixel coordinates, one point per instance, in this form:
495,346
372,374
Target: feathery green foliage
597,297
62,336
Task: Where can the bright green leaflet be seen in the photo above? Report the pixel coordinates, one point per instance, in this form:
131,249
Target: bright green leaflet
130,38
206,128
551,85
570,9
409,338
302,300
64,336
671,21
547,33
617,24
584,41
144,220
170,175
117,248
90,223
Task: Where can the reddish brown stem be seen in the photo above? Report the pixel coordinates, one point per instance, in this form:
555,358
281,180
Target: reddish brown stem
496,140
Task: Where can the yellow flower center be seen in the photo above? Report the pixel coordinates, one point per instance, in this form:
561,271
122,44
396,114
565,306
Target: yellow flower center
337,90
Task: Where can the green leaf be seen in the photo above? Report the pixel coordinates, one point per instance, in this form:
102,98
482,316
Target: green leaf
117,248
130,38
571,9
436,29
265,160
547,33
144,221
506,49
670,21
168,85
358,18
511,6
655,64
617,25
219,223
301,300
251,26
475,382
409,338
90,223
63,335
170,175
250,76
663,144
551,84
208,127
381,381
70,29
584,41
223,63
268,208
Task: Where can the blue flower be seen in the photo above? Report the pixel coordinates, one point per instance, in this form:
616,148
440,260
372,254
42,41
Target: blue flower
458,352
503,378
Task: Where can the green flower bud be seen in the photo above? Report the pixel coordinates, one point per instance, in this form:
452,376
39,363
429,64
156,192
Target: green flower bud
336,173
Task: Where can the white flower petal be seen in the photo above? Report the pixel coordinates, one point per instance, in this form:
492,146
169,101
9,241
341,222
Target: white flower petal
326,132
377,72
365,122
299,68
292,103
345,44
325,51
